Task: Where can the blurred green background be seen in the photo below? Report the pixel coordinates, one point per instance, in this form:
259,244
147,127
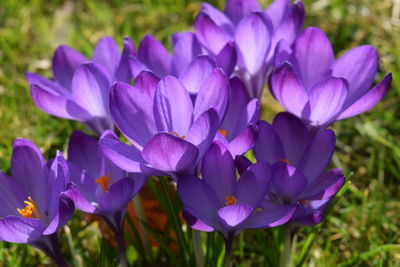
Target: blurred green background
363,223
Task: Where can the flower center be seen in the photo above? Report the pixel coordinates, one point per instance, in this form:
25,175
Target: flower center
176,134
230,200
104,182
223,132
285,160
29,209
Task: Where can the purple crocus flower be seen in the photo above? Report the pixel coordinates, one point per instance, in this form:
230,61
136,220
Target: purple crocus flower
81,88
220,202
169,131
252,32
34,202
299,159
99,187
314,86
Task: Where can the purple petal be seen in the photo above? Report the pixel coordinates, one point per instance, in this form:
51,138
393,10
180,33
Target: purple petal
238,9
326,100
325,186
358,66
20,230
294,136
253,37
9,197
288,182
154,55
275,216
268,146
173,108
65,210
193,77
136,66
242,164
167,152
82,151
213,94
318,155
29,171
132,110
123,72
277,11
203,131
65,61
253,184
107,55
243,142
314,55
81,202
47,84
227,58
147,82
288,89
283,52
196,223
210,35
218,17
369,100
90,88
186,49
235,214
56,105
219,172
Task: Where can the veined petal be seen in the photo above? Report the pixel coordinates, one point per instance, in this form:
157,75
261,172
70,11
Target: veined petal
80,201
268,146
147,82
117,196
277,11
65,61
196,223
288,182
65,210
235,214
154,55
136,66
272,217
123,72
325,186
47,84
242,143
238,9
82,151
17,229
107,55
186,49
197,71
227,58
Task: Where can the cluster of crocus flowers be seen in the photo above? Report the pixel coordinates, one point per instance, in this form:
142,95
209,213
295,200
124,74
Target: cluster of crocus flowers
192,116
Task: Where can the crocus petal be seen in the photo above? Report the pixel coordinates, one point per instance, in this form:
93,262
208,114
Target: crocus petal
123,72
210,34
358,66
218,17
275,216
369,100
219,172
66,208
253,37
65,61
283,52
235,214
10,200
326,100
314,55
186,48
213,94
107,55
46,84
325,186
173,108
203,131
167,152
17,229
238,9
311,212
29,171
253,184
80,201
294,136
196,223
56,105
227,58
277,11
243,142
268,146
318,155
136,66
154,55
147,82
310,219
288,89
132,110
90,88
58,178
198,70
288,182
242,164
199,199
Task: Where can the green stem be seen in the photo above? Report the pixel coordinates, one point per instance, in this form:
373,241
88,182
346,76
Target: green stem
198,250
286,255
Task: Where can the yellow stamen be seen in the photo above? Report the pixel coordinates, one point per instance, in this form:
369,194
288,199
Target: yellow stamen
285,160
104,181
230,200
303,201
176,134
223,132
29,208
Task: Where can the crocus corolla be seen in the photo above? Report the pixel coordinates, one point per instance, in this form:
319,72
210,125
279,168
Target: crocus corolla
311,84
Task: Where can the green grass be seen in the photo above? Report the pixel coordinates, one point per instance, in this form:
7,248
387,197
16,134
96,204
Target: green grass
364,222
